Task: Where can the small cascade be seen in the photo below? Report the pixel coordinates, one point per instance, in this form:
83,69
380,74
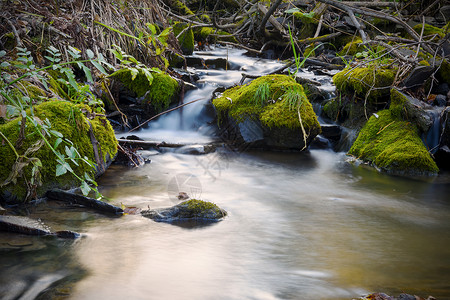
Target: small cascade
431,138
191,123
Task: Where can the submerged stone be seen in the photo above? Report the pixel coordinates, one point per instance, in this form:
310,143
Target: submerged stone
188,210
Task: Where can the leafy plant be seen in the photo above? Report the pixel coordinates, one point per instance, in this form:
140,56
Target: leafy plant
155,42
64,150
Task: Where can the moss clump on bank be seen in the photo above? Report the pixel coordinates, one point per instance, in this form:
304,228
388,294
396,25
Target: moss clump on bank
186,39
429,30
69,119
240,103
162,90
211,34
393,145
372,82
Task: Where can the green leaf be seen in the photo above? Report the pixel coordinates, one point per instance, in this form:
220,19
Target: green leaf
90,54
165,32
292,10
99,67
87,177
2,53
57,142
148,74
85,188
61,170
134,72
152,28
56,133
88,74
4,64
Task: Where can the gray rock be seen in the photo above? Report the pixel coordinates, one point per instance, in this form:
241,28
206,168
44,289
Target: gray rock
196,149
440,100
24,225
331,131
185,211
416,111
251,131
442,89
418,76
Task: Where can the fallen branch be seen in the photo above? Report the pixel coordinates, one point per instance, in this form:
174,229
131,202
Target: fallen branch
101,206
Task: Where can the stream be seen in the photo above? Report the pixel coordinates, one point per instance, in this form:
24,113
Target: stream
299,226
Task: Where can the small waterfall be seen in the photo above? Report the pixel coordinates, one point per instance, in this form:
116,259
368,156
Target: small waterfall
191,123
431,138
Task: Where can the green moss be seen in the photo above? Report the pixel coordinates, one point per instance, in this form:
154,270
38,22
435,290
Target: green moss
444,72
428,30
180,7
353,47
239,103
198,209
161,92
68,119
369,81
393,145
203,34
186,39
306,24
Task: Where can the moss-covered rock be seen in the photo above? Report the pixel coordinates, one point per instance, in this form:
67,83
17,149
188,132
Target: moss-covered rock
210,34
263,107
70,120
185,39
352,47
429,30
193,209
393,145
372,82
159,93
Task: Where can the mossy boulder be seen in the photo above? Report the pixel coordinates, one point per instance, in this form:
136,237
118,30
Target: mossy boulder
193,209
157,94
393,145
185,39
260,114
371,83
73,122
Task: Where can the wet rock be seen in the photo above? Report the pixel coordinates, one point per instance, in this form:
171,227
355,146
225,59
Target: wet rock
442,157
218,63
195,62
440,100
413,109
24,225
188,210
196,149
418,76
383,296
445,121
320,142
443,89
331,131
2,210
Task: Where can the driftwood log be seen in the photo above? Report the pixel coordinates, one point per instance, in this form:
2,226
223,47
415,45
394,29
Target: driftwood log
60,195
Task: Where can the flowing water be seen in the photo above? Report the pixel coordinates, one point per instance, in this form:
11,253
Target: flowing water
300,226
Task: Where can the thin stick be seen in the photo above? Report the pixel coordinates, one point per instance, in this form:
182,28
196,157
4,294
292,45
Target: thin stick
164,112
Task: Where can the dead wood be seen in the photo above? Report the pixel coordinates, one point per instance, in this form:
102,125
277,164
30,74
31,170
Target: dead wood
60,195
